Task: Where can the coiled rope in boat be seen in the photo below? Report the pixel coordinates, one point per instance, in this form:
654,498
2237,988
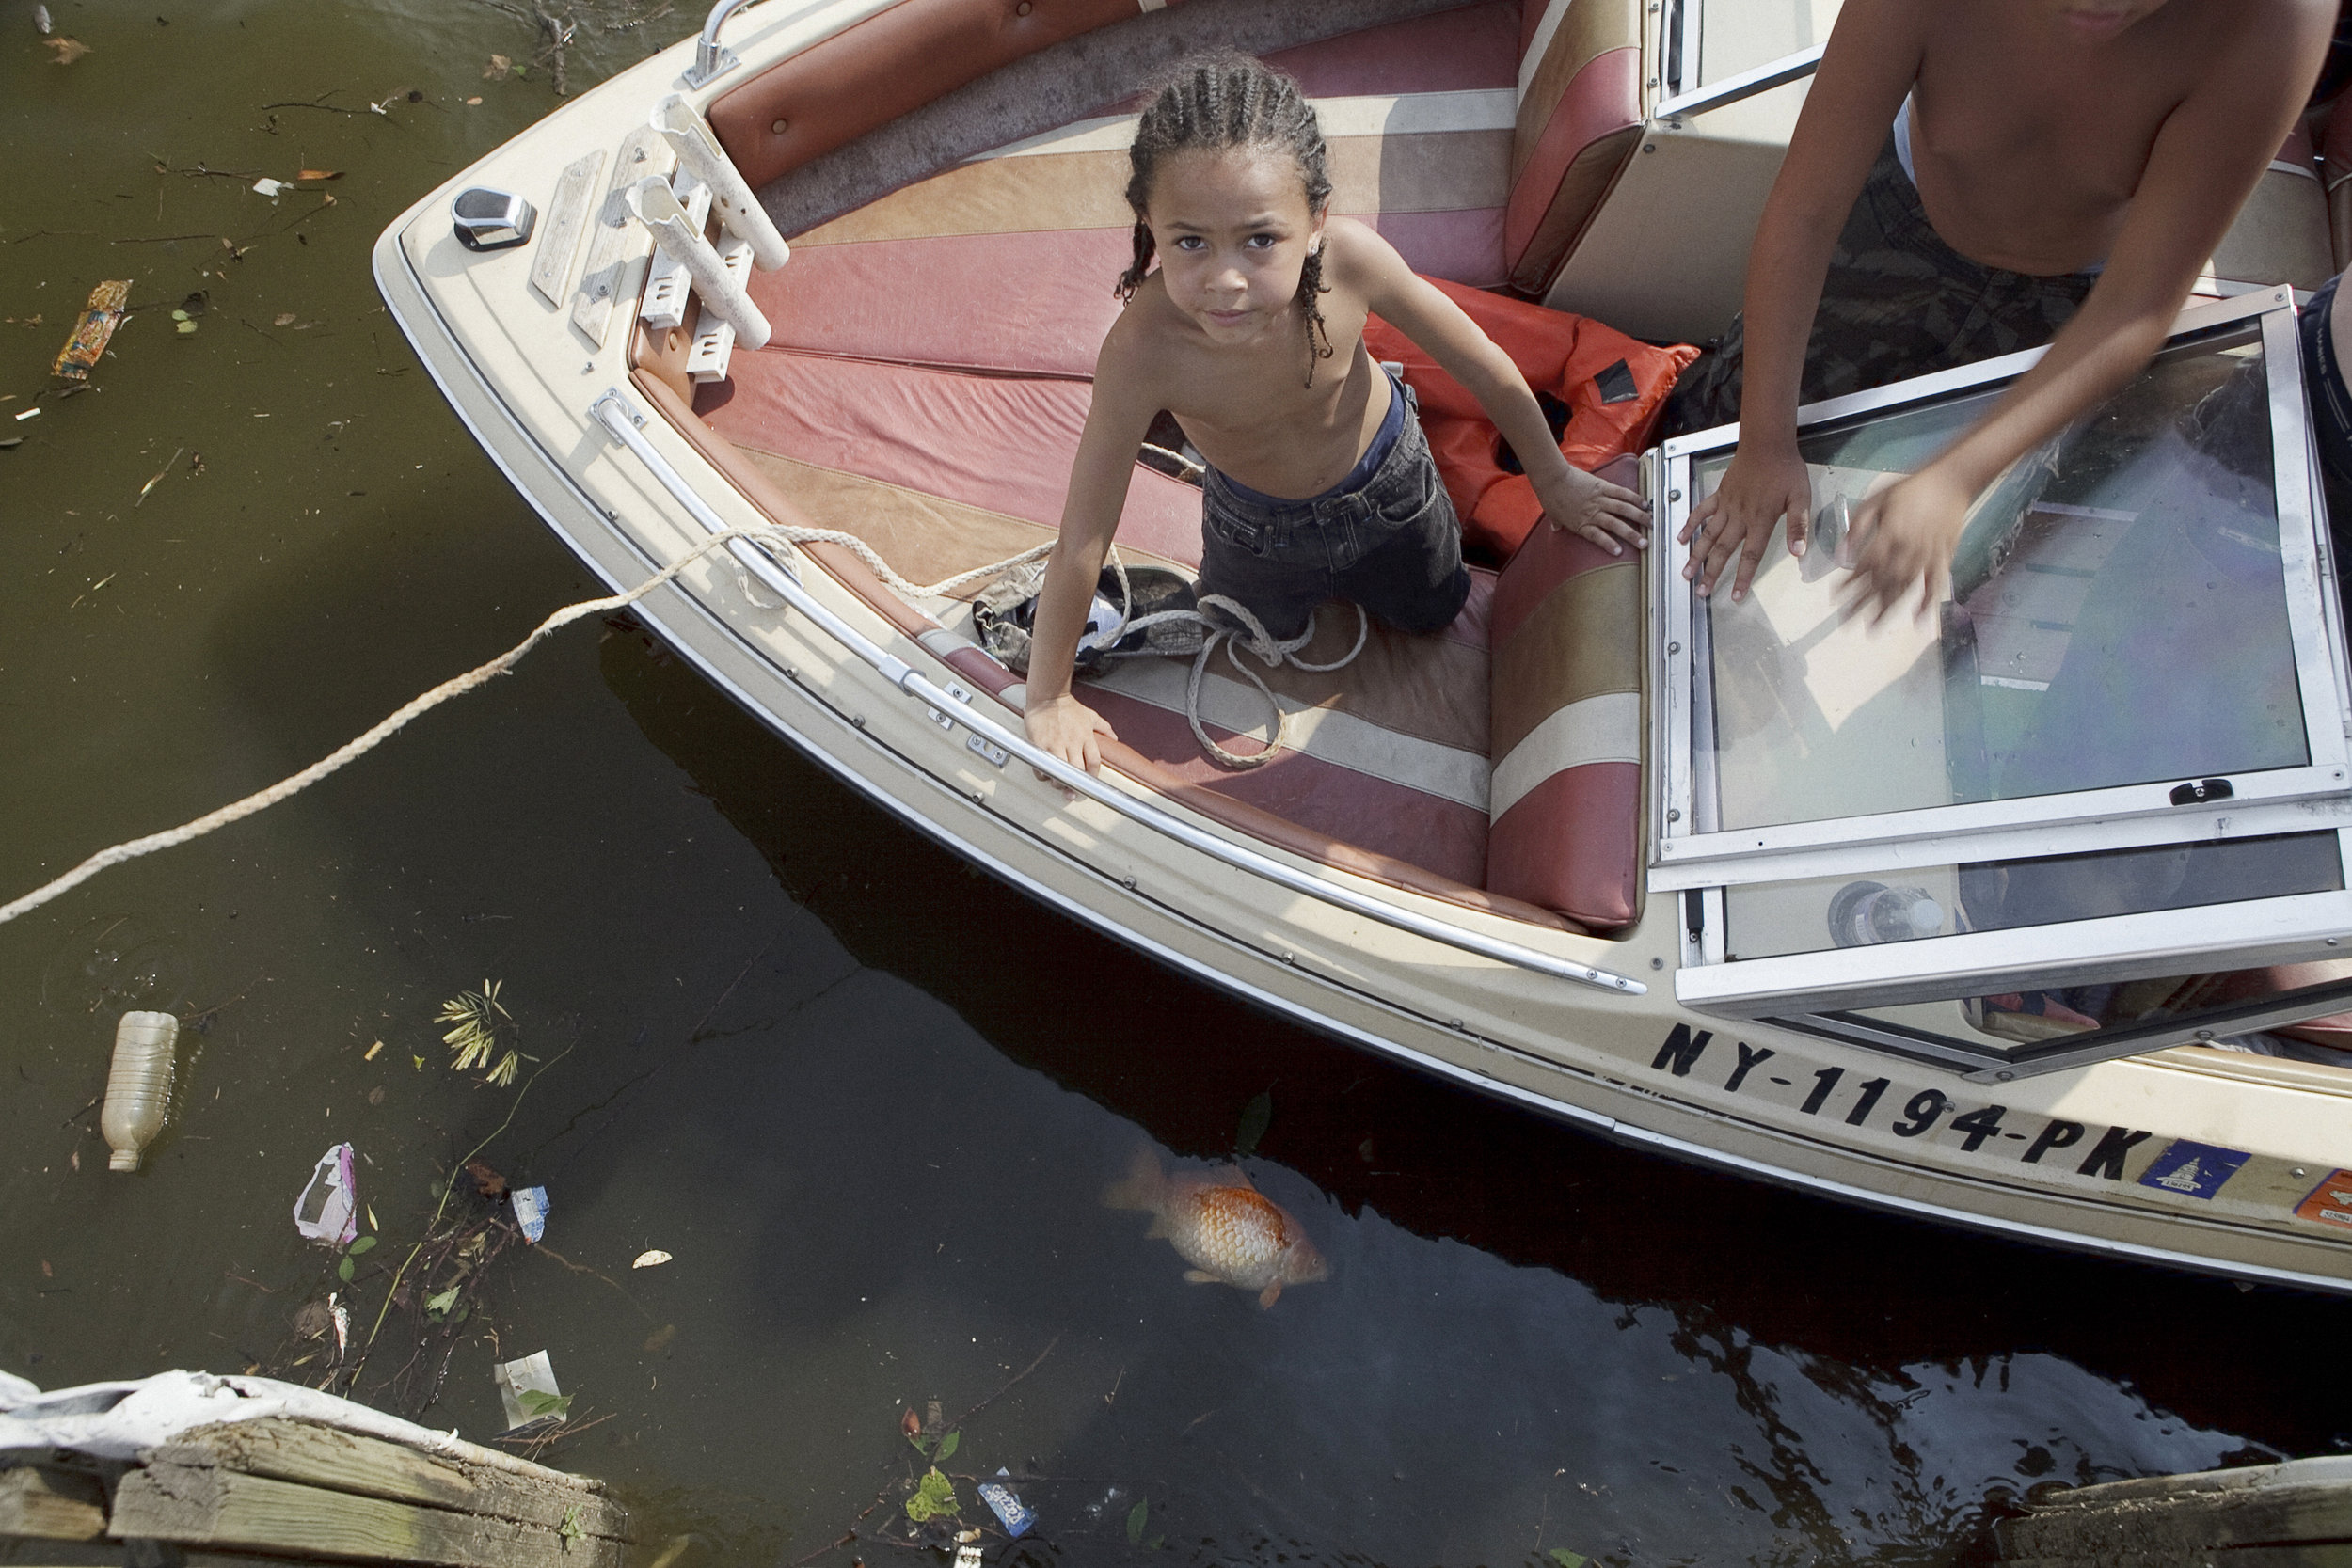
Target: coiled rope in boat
766,536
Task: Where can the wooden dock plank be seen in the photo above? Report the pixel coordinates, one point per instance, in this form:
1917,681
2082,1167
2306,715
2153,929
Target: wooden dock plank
207,1505
305,1453
51,1504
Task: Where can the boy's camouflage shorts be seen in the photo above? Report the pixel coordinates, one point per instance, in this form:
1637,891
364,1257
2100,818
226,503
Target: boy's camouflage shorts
1899,302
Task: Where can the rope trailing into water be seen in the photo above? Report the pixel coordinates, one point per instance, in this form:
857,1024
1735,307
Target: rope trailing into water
767,536
238,811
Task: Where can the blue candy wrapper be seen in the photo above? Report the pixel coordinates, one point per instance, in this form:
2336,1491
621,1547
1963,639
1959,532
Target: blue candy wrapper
1016,1515
530,1211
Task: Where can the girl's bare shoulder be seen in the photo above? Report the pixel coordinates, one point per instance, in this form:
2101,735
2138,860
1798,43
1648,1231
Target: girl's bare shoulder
1135,349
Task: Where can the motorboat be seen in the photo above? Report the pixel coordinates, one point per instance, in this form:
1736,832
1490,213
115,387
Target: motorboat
2028,915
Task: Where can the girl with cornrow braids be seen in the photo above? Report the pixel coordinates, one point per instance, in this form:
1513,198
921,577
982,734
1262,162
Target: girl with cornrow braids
1249,331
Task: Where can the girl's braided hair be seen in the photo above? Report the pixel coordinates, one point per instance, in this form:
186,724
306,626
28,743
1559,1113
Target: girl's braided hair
1229,100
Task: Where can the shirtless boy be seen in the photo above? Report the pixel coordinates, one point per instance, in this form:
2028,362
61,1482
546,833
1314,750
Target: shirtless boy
1250,333
2070,161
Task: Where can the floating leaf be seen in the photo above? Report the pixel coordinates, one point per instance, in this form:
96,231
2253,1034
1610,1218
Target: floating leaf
541,1403
186,327
363,1244
493,1185
1256,1117
947,1446
344,1271
320,174
1567,1559
68,50
439,1306
658,1341
1135,1518
912,1425
500,65
934,1496
286,318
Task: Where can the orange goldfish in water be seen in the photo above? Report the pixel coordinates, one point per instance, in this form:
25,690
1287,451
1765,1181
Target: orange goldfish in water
1229,1232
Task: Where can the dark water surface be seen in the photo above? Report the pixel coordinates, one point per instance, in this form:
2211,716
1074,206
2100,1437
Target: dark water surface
866,1098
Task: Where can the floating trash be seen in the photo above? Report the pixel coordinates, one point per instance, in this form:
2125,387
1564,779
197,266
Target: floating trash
328,1209
530,1211
1015,1516
652,1258
526,1390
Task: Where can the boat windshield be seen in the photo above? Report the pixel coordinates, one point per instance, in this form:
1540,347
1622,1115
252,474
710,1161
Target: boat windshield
2119,615
2109,762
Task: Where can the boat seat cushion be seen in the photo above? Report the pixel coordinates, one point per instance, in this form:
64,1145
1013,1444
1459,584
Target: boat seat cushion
1564,797
1615,388
2282,235
1006,261
987,453
1579,117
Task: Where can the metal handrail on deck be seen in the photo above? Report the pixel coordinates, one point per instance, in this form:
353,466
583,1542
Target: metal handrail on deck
712,57
620,420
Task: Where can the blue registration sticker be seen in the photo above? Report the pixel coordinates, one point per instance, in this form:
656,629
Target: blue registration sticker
1017,1515
2193,1169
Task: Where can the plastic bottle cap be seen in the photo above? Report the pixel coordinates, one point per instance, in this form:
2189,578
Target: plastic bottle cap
1927,916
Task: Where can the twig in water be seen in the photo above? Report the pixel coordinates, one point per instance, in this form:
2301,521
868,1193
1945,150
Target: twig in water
1008,1387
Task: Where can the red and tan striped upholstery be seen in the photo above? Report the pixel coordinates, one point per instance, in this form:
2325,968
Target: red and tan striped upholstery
930,375
1565,631
1580,115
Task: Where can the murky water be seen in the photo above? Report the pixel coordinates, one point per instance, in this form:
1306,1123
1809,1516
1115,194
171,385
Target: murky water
864,1096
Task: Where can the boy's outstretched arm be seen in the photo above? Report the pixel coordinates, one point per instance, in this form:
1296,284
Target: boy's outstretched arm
1866,68
1116,422
1608,514
2204,163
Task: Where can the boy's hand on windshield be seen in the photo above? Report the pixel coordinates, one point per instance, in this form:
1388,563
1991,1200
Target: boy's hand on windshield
1904,538
1757,490
1604,512
1068,729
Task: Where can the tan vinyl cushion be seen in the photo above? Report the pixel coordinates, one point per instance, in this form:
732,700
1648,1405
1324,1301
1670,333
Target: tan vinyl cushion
1565,736
2282,233
1579,119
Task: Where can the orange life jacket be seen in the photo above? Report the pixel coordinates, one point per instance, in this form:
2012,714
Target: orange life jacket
1615,387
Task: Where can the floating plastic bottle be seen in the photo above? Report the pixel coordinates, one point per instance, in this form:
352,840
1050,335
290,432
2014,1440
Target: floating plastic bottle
1868,912
138,1090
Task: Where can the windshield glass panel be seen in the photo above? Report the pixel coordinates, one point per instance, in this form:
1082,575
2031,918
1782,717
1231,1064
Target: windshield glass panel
2119,616
1816,914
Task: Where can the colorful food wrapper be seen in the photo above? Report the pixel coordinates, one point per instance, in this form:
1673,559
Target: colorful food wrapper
328,1209
1016,1515
91,333
530,1211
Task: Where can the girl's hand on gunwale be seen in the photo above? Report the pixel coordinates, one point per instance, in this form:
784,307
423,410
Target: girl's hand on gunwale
1068,729
1604,512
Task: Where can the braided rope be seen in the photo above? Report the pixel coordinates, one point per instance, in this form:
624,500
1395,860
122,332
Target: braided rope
770,537
236,811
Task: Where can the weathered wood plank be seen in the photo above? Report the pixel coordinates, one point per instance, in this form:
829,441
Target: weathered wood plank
283,1449
2301,1508
206,1505
54,1505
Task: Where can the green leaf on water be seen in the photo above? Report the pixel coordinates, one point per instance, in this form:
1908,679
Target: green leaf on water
439,1306
1155,1544
934,1494
947,1446
345,1270
1255,1117
1135,1518
1567,1559
362,1244
538,1401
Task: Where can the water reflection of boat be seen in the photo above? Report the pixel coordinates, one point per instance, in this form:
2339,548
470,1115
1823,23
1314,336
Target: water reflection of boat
2127,826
